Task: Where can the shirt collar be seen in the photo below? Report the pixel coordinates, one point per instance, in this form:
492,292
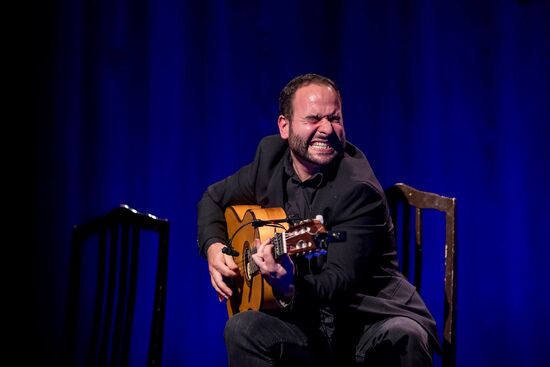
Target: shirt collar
314,181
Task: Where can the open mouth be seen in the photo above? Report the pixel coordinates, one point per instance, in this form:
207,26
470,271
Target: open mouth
321,147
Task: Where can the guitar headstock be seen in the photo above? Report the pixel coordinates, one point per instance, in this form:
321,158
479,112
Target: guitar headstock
300,238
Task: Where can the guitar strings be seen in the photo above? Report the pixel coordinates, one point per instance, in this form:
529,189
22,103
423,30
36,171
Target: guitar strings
245,259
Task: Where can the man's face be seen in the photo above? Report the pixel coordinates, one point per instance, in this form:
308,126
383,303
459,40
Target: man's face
316,133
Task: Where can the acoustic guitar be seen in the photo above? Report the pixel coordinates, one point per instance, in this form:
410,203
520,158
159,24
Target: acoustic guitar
245,223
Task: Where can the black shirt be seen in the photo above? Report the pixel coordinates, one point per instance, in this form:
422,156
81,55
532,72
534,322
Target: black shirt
300,194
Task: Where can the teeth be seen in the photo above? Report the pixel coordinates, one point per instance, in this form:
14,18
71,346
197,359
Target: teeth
320,145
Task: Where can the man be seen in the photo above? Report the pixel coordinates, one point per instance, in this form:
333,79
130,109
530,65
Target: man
348,306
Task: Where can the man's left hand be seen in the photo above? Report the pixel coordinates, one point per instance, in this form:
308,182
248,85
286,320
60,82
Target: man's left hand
279,273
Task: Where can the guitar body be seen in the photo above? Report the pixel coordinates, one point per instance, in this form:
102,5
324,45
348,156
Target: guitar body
250,290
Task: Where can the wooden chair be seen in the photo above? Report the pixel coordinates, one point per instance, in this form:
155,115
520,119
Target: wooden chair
111,263
404,199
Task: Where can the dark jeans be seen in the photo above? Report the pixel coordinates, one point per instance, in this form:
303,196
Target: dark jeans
258,339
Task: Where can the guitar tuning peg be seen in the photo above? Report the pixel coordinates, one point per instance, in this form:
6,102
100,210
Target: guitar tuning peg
320,218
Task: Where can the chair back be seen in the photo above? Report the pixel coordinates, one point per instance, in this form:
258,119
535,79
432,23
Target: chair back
405,200
111,268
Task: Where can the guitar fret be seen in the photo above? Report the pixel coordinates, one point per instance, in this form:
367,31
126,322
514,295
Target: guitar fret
253,267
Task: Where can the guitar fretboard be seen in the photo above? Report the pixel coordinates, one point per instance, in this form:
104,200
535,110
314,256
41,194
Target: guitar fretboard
279,249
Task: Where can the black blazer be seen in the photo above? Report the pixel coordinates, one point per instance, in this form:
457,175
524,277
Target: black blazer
361,273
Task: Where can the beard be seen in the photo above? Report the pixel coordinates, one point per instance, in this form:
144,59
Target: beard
300,147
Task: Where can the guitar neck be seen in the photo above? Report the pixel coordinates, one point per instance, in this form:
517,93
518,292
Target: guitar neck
279,248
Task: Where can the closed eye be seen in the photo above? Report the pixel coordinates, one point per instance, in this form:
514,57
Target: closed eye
334,118
312,119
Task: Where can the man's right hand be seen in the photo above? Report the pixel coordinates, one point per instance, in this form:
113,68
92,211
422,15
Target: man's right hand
220,265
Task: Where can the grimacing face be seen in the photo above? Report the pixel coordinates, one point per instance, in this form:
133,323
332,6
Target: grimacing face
316,133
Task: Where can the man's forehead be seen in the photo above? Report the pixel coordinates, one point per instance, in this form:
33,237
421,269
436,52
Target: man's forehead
315,85
312,93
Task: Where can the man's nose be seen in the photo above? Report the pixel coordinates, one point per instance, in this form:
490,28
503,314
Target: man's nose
325,126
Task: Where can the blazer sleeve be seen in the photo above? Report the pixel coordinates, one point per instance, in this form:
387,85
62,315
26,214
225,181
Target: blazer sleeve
239,188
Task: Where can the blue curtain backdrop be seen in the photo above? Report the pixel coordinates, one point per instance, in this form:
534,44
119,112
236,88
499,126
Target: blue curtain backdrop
147,102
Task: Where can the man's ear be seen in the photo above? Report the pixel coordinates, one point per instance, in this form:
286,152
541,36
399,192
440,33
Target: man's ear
283,127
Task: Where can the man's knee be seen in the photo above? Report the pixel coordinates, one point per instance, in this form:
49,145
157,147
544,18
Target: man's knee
407,331
407,326
238,325
397,341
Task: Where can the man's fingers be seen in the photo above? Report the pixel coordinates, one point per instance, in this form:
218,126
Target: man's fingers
268,254
230,262
225,265
221,268
215,286
220,286
221,262
224,270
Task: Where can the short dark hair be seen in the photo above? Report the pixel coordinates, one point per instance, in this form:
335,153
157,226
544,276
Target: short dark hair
287,94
